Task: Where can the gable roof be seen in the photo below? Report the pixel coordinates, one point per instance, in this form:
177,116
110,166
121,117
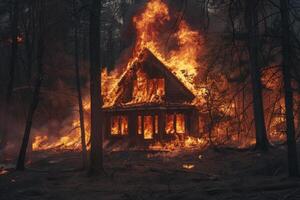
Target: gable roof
147,60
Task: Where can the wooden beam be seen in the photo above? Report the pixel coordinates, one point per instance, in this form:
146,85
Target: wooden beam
161,125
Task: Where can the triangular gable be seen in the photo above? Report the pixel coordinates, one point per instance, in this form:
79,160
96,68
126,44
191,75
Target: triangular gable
175,89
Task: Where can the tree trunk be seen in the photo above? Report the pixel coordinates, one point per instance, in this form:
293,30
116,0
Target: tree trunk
36,93
286,69
96,155
12,68
298,113
298,124
251,19
78,87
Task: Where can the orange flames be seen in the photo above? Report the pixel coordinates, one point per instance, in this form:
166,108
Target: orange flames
187,143
71,139
148,127
178,48
149,26
119,125
147,90
181,60
153,32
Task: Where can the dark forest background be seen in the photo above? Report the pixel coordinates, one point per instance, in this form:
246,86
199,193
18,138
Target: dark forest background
58,91
38,44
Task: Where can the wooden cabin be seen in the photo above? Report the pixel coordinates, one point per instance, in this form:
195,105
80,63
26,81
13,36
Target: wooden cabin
152,105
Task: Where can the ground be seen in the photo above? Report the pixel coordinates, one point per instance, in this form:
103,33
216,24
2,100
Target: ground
142,175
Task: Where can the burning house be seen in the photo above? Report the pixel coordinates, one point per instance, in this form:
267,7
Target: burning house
152,104
161,90
152,95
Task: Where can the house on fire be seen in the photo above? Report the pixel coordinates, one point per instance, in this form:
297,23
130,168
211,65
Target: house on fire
151,104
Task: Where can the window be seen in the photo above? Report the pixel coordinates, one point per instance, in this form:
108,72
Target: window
114,125
180,123
175,123
170,128
119,125
148,126
146,89
124,125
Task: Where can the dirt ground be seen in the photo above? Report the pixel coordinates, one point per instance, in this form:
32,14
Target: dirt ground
143,175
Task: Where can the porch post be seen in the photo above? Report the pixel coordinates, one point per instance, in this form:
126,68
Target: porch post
132,125
107,125
161,125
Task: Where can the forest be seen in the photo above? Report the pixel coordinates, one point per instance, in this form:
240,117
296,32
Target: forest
149,99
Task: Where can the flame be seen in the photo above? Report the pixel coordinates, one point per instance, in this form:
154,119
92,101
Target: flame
188,166
175,123
178,48
70,140
119,125
181,60
146,89
188,143
148,127
153,33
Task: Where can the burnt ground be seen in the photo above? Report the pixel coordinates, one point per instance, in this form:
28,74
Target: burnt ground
143,175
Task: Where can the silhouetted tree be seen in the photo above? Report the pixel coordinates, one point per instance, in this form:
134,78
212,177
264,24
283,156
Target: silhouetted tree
251,19
40,6
96,155
287,78
78,84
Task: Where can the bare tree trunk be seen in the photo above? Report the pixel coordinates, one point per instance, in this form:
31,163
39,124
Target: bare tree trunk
286,69
251,19
30,41
78,86
36,93
96,155
298,113
12,68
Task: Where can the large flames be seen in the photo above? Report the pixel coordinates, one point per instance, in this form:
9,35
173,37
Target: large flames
179,48
181,60
150,25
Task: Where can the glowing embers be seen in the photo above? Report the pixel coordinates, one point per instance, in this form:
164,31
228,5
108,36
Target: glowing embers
119,125
146,89
175,123
148,126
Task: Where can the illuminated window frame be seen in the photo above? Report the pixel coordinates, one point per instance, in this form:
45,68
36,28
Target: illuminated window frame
119,125
141,125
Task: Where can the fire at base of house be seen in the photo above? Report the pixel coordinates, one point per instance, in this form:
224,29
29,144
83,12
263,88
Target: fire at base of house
152,105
